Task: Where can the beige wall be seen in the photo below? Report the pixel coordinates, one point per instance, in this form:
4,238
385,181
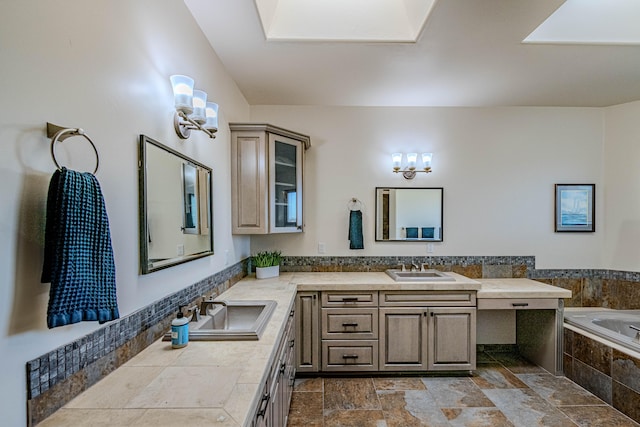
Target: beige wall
102,65
498,167
622,187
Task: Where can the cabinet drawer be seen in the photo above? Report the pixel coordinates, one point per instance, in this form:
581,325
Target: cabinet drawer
349,323
428,299
350,355
349,299
517,303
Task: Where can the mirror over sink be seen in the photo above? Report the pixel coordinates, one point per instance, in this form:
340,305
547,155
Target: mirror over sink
409,214
175,207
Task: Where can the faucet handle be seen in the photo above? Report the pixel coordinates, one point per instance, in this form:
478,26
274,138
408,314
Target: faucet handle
195,313
402,267
424,266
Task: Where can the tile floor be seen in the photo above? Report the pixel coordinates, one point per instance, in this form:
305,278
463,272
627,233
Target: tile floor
505,390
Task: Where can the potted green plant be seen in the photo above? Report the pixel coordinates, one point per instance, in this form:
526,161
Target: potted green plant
267,264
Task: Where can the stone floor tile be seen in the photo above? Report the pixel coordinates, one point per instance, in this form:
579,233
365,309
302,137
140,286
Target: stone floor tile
524,408
407,383
350,393
476,417
456,392
516,363
306,408
308,384
354,418
559,390
597,416
411,408
494,375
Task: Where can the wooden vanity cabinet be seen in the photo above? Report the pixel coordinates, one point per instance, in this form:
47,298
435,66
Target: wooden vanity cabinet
307,332
349,331
266,179
427,330
273,408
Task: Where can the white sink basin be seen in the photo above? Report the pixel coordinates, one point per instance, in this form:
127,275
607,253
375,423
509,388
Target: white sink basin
235,320
419,276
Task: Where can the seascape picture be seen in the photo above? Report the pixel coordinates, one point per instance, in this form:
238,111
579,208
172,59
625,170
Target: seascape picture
574,207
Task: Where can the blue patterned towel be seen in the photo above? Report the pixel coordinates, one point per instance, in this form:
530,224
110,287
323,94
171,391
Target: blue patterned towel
78,257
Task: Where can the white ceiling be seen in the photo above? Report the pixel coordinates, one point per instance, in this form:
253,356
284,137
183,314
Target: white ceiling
470,53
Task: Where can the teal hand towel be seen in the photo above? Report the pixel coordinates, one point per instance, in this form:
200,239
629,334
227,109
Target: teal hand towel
355,230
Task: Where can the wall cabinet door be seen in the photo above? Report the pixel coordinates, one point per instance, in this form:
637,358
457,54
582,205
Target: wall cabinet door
452,339
307,332
403,339
266,179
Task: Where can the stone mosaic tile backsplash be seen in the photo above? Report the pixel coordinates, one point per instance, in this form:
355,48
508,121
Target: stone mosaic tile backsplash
55,378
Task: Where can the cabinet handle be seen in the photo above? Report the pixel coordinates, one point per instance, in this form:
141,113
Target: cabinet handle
291,313
520,304
349,324
282,368
349,299
291,343
349,356
263,405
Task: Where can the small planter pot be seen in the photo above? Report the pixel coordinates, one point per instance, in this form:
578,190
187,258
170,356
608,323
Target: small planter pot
267,272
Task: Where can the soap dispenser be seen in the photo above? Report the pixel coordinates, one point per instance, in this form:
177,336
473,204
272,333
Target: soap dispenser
179,330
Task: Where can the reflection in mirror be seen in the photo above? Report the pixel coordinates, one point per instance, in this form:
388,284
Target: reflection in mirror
175,207
409,214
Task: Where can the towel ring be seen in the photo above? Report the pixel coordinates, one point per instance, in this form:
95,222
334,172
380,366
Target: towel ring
60,134
354,204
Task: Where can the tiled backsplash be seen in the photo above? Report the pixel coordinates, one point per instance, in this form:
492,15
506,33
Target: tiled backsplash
55,378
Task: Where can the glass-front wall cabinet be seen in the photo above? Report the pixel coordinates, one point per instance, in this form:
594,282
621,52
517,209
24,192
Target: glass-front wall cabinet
286,183
267,178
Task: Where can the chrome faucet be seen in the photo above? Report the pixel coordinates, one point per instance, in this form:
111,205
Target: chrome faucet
414,267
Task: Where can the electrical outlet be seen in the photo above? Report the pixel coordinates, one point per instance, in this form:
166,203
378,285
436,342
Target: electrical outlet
180,250
321,248
430,248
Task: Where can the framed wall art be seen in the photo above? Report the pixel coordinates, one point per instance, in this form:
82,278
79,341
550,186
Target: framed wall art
574,207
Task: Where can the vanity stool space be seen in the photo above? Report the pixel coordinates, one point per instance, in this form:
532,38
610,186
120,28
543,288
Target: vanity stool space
538,309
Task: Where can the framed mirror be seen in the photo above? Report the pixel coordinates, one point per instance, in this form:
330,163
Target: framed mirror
409,214
175,207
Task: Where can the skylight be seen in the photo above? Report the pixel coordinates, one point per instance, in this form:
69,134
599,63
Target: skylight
344,20
591,22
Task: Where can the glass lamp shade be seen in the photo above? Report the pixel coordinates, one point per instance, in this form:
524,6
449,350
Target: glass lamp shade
426,160
211,123
412,159
396,159
199,114
182,93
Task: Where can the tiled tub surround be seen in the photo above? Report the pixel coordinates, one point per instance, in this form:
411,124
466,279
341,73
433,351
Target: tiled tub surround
607,370
55,378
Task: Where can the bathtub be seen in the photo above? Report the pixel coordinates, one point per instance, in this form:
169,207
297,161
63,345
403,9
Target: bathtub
613,325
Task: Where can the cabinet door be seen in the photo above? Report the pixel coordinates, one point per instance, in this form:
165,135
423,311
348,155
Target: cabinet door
307,333
403,339
285,184
249,183
452,339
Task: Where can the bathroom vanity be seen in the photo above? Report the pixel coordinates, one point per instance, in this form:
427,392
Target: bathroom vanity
320,318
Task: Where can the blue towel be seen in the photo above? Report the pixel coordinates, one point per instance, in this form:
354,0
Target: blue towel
78,257
356,240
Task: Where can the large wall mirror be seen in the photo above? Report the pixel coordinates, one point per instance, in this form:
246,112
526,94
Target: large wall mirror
409,214
175,207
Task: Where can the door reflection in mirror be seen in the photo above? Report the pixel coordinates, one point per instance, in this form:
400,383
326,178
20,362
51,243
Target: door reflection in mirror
409,214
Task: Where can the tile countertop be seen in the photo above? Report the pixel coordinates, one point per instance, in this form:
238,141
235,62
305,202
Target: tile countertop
217,383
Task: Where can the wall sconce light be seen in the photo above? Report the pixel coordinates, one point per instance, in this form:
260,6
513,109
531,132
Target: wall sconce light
193,112
409,171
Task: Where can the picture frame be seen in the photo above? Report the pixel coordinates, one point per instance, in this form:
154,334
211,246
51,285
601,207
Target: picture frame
574,208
